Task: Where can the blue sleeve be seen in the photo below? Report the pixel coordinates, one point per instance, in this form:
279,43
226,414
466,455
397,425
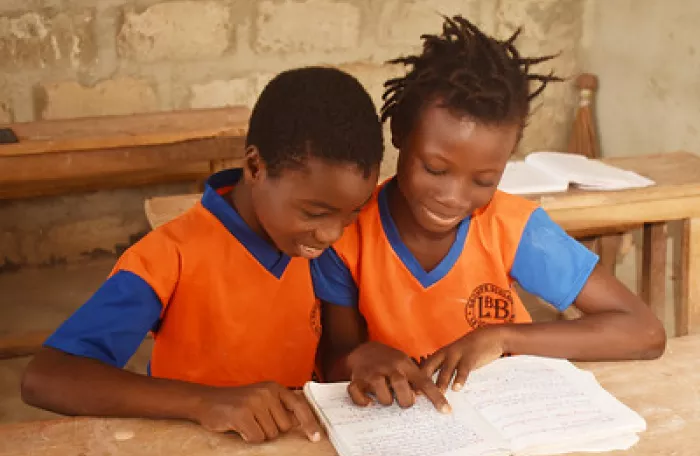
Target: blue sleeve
551,264
332,280
111,325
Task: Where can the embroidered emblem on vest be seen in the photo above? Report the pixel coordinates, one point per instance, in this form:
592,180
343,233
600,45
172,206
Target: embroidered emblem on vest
489,304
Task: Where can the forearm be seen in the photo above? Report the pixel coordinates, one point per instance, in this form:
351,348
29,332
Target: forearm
335,366
73,385
598,337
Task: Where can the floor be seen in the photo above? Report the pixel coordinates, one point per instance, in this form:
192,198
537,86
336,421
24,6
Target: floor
40,299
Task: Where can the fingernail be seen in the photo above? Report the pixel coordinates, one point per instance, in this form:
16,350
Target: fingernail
457,386
315,437
446,409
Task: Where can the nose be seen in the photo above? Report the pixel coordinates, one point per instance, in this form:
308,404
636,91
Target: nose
329,233
455,195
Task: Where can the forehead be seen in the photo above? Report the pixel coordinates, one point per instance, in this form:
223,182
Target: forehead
336,184
438,131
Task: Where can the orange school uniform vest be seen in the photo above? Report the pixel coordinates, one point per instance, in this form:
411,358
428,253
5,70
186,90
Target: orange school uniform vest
226,320
419,312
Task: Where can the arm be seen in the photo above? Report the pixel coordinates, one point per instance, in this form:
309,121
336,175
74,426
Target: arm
617,324
344,330
78,385
373,369
78,372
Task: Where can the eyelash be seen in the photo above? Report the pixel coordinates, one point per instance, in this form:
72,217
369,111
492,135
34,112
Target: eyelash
310,215
433,172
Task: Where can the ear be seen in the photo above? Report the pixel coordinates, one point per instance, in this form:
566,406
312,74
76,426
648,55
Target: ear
254,168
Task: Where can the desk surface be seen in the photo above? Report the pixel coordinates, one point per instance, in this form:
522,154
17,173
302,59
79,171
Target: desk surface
666,392
61,156
107,132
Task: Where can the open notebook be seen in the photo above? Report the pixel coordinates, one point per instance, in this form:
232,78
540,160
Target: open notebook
521,405
550,172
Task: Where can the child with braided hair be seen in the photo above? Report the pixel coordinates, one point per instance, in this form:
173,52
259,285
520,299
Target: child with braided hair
423,281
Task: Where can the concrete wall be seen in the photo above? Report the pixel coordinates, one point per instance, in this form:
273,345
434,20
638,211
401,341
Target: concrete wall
647,56
68,58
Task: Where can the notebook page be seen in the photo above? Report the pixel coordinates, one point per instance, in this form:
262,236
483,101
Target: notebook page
620,443
391,431
519,178
588,174
539,402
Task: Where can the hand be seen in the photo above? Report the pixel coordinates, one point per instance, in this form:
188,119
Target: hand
472,351
378,369
257,412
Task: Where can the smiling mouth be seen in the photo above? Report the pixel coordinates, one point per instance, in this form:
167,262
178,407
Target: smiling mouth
442,219
309,252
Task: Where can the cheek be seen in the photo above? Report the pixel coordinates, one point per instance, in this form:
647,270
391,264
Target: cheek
417,184
276,215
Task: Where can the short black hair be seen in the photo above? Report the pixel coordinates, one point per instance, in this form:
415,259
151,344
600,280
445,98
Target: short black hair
316,112
471,74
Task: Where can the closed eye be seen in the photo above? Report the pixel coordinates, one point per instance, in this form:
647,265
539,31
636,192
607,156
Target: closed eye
434,172
485,184
313,215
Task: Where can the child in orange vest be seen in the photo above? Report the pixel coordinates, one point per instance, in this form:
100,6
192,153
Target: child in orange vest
426,274
226,288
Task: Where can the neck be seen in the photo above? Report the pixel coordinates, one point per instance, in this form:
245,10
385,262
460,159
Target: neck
241,200
405,221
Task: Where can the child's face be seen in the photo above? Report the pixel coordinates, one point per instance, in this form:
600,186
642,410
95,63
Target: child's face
305,210
450,166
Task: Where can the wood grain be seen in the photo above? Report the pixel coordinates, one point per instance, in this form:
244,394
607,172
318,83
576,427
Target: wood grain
662,391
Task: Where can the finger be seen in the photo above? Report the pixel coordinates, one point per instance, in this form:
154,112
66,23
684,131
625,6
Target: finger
248,428
430,365
463,370
433,393
381,390
267,423
358,391
284,419
402,390
447,371
302,411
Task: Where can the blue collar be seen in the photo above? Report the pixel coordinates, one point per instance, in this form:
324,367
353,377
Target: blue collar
267,255
425,278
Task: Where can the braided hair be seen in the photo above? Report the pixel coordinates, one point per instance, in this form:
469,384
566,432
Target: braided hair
470,73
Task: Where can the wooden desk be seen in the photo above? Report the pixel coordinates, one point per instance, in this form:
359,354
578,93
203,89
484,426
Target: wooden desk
583,213
60,156
664,391
675,197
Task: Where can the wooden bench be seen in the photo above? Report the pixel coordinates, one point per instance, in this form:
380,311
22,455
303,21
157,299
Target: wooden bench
60,156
